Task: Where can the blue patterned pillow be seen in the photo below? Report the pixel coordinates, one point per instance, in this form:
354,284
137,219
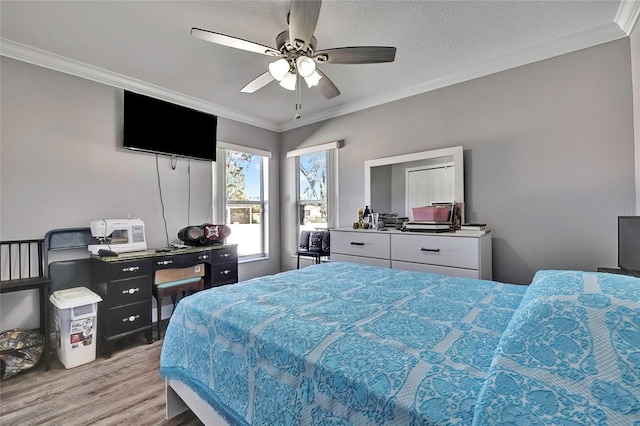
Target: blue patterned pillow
570,354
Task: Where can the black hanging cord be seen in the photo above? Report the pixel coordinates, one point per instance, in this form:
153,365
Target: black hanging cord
164,218
189,197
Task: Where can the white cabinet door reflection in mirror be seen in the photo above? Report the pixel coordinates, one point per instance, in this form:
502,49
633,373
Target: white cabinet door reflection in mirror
395,184
429,184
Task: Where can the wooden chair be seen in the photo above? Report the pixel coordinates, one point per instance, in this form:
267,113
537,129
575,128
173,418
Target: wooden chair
314,244
173,288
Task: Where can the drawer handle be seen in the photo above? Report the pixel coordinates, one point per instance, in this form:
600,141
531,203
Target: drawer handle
130,269
165,262
431,250
130,291
203,257
132,318
225,255
356,244
225,272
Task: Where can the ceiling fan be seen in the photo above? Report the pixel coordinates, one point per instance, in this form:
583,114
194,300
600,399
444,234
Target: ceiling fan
296,48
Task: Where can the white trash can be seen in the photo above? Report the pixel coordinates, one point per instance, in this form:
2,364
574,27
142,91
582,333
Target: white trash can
76,324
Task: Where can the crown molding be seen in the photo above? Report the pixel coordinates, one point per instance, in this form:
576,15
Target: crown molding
42,58
625,20
627,15
604,34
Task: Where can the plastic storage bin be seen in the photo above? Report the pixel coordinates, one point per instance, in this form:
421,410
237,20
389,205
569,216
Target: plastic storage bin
76,311
432,213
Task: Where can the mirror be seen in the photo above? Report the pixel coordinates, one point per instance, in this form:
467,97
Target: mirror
395,184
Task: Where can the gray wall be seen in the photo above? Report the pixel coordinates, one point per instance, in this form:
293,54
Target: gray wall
62,166
635,71
549,156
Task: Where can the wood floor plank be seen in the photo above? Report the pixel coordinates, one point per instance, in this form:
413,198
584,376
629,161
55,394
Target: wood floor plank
125,389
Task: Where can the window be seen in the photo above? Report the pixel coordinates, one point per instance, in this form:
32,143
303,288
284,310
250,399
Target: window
241,198
312,191
314,181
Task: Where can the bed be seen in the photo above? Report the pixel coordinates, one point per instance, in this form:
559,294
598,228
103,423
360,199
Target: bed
347,344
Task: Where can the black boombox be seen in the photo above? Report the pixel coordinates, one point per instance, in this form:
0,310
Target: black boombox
206,234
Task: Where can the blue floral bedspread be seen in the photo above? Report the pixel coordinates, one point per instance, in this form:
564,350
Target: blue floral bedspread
569,356
347,344
340,344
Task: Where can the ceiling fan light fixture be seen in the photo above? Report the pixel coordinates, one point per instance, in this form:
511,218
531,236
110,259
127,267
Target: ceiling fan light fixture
289,81
306,66
279,69
313,79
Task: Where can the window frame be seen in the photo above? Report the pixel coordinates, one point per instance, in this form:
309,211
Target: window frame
300,202
332,193
221,204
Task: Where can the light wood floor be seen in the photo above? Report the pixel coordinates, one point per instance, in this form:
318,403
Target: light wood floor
123,390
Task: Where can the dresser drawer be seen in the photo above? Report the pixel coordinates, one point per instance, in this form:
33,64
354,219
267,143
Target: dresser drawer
224,254
129,269
436,250
125,292
224,273
371,261
360,244
129,318
436,269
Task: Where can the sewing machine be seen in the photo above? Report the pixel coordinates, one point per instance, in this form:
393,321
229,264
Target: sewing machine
118,235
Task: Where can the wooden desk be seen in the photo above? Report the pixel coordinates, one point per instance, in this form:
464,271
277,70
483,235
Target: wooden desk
125,285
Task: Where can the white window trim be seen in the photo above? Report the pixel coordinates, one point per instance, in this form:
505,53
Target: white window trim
241,148
315,148
220,193
332,149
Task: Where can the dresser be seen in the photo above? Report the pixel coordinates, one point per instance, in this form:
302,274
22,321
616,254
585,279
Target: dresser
443,253
125,285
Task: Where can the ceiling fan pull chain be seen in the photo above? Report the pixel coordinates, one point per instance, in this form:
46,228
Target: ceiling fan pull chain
298,96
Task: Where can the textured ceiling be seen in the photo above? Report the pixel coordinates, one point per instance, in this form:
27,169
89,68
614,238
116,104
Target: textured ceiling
146,46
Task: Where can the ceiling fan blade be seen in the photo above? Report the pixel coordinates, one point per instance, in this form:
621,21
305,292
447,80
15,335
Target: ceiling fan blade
326,86
236,43
257,83
303,17
356,55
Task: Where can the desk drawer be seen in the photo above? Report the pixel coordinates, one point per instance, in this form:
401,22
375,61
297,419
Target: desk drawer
224,254
224,273
436,250
360,244
125,292
130,317
129,269
181,260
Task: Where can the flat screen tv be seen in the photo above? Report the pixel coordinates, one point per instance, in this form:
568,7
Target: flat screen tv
629,243
161,127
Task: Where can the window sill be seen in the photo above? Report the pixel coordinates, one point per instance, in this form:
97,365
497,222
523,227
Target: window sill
250,259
